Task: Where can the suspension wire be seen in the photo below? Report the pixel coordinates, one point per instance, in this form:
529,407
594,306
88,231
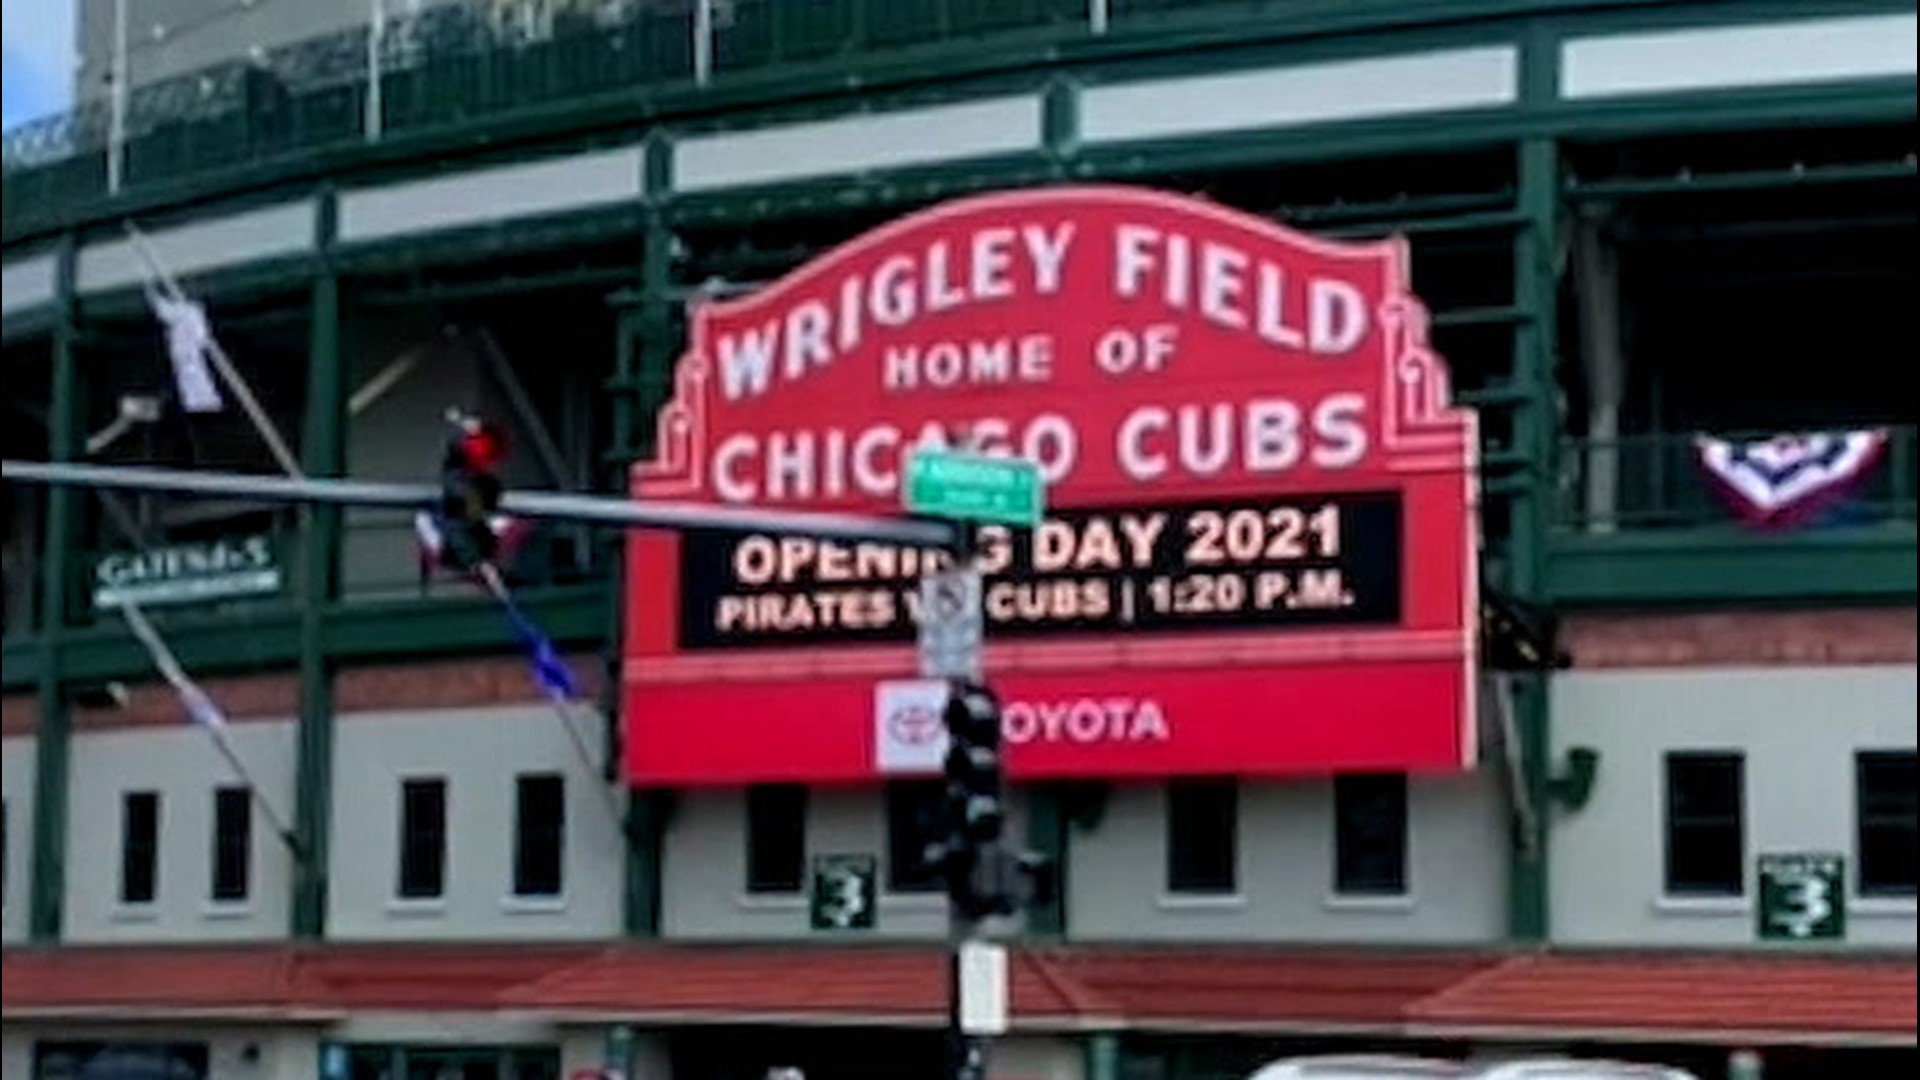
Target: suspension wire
202,710
557,697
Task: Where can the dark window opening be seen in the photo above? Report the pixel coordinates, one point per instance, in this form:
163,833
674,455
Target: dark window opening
914,812
1202,836
1706,825
119,1060
232,843
540,835
139,847
1887,812
776,838
423,839
1370,835
389,1061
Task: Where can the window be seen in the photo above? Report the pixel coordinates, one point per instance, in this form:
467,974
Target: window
1370,835
1886,813
423,839
232,843
139,846
776,838
400,1061
540,835
914,810
1202,836
1706,829
88,1060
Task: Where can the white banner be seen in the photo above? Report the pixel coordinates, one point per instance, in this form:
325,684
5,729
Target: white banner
189,336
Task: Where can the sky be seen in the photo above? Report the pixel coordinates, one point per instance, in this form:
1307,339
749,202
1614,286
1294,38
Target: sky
36,58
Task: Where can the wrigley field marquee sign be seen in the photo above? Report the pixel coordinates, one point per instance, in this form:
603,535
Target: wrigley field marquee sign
1257,554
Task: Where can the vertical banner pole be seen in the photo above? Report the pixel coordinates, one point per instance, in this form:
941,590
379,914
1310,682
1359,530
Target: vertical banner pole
702,42
117,101
374,117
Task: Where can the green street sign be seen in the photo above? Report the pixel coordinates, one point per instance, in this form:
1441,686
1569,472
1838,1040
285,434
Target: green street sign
1803,897
974,487
844,892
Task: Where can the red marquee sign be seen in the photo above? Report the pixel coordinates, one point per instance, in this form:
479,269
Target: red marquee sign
1260,553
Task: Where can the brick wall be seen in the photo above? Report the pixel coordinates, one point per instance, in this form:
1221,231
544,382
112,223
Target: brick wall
1742,639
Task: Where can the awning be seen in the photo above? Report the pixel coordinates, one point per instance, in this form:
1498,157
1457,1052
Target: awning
1714,998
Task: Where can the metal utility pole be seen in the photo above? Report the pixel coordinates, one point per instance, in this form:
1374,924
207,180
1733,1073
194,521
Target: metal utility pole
966,1057
622,513
983,878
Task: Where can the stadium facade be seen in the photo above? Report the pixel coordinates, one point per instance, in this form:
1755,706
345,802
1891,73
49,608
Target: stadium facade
1635,777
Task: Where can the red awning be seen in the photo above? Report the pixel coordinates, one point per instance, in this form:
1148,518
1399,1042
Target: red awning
1758,998
1717,998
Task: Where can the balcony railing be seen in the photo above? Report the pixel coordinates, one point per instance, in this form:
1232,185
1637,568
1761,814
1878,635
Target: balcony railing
492,59
1659,484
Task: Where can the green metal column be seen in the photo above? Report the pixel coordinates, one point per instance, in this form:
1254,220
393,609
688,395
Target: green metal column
323,453
1102,1056
647,359
1534,426
1060,127
66,425
1047,836
646,825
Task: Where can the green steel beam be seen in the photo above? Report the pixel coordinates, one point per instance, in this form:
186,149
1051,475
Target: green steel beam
1811,176
1103,1058
648,351
1723,565
504,285
1484,221
1048,836
323,453
354,631
1480,316
66,419
20,664
1393,215
1535,292
1060,124
205,644
646,826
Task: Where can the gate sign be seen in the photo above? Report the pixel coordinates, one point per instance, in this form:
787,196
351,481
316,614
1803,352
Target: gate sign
1258,553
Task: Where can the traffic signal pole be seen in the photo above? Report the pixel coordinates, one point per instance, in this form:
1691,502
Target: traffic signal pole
599,510
966,1052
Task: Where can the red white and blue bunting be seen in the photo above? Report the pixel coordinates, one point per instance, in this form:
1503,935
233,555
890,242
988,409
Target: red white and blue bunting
1786,480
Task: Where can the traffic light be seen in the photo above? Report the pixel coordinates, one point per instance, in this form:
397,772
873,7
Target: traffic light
974,782
975,803
470,491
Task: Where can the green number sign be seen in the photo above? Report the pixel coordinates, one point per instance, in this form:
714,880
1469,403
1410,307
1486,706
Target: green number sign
1803,897
844,896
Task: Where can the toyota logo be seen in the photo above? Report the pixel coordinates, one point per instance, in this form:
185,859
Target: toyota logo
915,725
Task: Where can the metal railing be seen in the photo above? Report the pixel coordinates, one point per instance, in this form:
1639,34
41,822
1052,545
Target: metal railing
490,59
1659,483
